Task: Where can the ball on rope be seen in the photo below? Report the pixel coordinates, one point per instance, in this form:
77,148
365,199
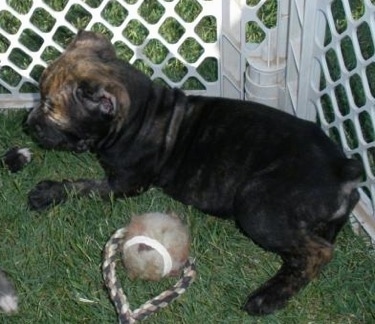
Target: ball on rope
156,245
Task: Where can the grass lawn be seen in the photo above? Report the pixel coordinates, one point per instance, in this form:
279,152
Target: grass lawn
54,257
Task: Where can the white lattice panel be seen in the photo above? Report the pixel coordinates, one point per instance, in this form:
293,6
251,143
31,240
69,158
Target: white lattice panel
156,36
227,34
266,59
334,66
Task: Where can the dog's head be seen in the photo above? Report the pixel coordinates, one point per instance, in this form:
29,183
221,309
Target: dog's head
83,96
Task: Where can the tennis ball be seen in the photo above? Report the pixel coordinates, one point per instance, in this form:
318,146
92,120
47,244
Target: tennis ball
156,245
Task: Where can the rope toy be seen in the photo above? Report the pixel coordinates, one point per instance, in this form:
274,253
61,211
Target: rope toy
117,244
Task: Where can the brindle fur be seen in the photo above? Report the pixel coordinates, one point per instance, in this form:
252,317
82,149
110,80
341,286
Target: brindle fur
283,181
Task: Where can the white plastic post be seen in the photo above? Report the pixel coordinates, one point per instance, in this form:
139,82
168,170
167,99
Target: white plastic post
266,63
232,61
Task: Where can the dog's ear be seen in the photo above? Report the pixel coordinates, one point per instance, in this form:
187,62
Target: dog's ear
95,43
95,98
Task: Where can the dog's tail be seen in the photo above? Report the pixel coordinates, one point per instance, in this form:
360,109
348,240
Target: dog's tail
16,158
8,297
349,169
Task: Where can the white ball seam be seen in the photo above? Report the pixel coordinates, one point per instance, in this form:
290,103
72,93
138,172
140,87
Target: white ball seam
141,239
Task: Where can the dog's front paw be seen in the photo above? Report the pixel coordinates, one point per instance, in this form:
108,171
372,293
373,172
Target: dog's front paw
47,193
265,302
15,158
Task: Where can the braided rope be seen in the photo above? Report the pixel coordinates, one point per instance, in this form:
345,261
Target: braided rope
117,295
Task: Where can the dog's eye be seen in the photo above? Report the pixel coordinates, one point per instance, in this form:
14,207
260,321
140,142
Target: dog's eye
87,91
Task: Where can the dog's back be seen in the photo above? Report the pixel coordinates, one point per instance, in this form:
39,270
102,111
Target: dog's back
232,145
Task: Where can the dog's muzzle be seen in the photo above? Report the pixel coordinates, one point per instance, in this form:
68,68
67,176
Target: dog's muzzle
49,136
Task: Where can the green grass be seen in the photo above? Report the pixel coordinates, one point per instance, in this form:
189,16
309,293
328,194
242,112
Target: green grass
267,14
54,256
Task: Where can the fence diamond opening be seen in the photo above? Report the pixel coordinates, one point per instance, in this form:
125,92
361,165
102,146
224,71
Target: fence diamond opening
311,58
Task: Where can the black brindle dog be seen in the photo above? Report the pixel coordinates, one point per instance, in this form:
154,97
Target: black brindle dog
282,180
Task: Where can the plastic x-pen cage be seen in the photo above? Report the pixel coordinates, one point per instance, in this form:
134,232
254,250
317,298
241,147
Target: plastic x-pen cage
311,58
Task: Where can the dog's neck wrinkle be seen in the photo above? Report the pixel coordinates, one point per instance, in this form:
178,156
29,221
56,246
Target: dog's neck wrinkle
106,142
176,104
156,123
182,132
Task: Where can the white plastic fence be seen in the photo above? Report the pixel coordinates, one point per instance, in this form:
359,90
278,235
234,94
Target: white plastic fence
312,58
57,26
333,65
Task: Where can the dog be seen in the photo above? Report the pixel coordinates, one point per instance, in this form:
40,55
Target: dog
286,185
14,160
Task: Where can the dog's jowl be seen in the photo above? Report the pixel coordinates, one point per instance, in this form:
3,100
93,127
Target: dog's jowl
281,179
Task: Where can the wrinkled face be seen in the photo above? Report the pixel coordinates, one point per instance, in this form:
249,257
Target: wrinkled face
82,99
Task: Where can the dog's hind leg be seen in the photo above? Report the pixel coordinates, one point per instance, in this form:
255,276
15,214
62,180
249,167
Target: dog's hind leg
297,219
298,269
